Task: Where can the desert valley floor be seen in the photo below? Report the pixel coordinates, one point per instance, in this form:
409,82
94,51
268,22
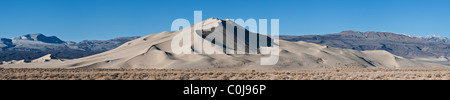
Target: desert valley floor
153,57
168,74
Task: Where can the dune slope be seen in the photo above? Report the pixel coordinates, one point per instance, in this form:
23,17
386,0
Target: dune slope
154,52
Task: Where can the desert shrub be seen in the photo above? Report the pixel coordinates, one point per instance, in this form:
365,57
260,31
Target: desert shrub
162,74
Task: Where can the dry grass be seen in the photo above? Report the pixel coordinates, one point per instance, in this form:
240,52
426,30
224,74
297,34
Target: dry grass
157,74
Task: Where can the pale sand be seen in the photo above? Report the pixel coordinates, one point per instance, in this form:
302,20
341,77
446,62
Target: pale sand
154,52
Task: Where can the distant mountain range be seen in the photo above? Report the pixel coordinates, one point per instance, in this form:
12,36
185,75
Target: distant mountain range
32,46
155,52
430,48
435,38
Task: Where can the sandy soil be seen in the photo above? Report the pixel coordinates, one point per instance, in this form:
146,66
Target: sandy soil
156,74
155,52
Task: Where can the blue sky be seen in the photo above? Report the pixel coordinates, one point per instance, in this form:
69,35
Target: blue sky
77,20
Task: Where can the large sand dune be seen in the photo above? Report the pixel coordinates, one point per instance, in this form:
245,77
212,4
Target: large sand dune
154,52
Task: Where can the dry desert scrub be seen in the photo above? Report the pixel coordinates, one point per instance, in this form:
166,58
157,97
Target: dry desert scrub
167,74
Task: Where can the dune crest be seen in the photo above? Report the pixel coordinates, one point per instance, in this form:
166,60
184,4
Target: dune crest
154,52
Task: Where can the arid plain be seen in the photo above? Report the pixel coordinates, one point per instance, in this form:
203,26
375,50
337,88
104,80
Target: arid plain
168,74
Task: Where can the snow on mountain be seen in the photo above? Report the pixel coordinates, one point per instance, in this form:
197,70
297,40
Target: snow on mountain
435,38
32,46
